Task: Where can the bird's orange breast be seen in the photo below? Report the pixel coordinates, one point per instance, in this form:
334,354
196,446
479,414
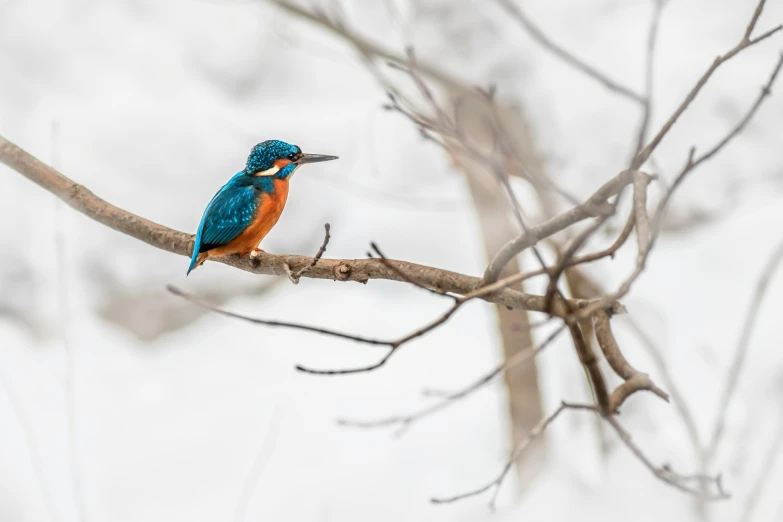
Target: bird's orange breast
269,210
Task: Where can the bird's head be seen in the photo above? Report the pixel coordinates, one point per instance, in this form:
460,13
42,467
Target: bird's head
279,159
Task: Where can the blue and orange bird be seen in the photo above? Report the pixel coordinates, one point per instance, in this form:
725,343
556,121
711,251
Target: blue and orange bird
249,205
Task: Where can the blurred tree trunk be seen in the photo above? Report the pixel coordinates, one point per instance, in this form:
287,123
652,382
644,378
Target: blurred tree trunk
498,226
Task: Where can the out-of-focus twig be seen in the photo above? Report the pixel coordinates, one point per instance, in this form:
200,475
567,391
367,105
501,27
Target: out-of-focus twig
363,44
741,350
264,454
768,465
547,43
649,75
32,446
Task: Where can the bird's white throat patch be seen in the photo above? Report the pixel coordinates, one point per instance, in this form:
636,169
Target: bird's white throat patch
268,172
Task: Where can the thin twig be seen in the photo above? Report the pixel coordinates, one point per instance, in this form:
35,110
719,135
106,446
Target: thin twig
742,45
392,265
649,75
448,399
518,450
294,277
666,474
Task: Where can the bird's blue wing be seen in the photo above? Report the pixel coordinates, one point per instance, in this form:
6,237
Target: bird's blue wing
230,212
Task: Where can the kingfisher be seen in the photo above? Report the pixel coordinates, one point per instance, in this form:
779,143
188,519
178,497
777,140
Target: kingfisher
246,208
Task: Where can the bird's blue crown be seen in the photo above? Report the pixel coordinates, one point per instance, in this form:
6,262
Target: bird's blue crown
262,157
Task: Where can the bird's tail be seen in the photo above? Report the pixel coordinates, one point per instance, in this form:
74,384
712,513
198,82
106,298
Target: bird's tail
196,261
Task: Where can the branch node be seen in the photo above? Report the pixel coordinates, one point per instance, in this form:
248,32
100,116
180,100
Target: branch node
342,272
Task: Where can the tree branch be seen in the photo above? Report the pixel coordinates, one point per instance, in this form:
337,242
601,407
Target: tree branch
596,205
84,201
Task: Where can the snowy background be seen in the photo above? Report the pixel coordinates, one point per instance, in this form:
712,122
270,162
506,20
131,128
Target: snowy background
176,415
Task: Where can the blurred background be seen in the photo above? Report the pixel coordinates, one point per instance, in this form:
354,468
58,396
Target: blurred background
119,401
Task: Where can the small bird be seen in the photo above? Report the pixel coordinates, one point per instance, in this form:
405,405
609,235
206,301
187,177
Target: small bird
249,205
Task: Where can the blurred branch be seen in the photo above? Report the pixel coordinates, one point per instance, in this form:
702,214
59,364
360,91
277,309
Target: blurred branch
32,446
262,458
649,74
740,353
63,294
539,36
362,44
768,464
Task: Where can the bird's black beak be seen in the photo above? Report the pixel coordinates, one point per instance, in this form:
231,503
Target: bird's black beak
314,158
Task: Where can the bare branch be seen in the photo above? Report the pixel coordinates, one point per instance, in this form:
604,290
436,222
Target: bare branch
539,36
692,163
596,205
742,45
